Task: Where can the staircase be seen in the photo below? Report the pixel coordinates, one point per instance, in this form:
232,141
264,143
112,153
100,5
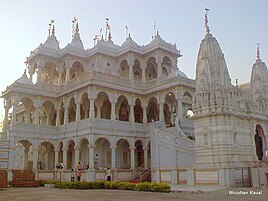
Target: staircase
4,151
142,174
24,178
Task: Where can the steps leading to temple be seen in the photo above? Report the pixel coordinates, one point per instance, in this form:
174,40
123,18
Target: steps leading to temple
23,178
4,152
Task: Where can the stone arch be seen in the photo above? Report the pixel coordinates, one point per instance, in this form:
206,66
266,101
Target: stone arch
260,142
166,66
123,108
170,109
72,110
48,114
139,153
70,154
123,154
85,106
84,152
187,103
124,69
152,110
103,155
25,110
151,69
103,105
50,74
76,70
46,156
23,157
138,112
137,71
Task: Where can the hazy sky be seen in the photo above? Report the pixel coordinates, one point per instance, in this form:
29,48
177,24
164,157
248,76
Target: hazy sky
238,25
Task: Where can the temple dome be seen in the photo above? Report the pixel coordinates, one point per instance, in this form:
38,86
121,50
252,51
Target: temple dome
24,80
211,68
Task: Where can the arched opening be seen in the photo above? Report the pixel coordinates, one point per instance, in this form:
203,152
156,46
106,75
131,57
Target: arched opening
103,106
186,104
166,66
84,107
151,70
138,113
139,154
49,74
49,114
70,155
123,154
76,70
84,153
46,156
25,111
152,111
170,109
124,69
137,72
23,157
123,108
103,157
260,142
72,110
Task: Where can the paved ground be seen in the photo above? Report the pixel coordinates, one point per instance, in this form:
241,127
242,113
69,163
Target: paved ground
48,194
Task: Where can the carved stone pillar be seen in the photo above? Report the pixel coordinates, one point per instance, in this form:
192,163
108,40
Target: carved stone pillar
144,115
112,110
161,112
131,114
145,151
91,109
132,156
91,156
113,148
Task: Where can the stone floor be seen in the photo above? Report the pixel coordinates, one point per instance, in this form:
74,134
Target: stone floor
52,194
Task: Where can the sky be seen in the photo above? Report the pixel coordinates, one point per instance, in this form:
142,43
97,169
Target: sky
238,26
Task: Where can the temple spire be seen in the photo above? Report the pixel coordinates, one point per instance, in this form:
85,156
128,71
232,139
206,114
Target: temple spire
206,21
258,51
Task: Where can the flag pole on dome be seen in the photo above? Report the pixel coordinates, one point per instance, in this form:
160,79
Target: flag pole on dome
206,21
155,27
126,31
50,25
107,27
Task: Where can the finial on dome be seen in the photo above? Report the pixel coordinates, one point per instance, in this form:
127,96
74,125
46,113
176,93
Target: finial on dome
157,33
77,27
53,30
258,51
49,27
110,36
129,35
206,21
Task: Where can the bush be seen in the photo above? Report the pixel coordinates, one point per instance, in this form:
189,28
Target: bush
145,186
162,187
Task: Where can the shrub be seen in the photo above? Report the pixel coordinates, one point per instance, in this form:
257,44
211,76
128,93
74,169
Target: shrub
162,187
127,186
145,186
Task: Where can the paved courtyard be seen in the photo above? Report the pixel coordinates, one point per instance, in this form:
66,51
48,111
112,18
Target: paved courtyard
44,194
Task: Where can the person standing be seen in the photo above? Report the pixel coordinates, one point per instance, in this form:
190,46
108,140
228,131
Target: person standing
72,175
79,171
108,174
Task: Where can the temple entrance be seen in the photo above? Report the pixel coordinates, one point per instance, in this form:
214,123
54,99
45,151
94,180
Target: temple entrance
259,139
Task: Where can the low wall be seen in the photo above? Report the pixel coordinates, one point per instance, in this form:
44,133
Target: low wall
3,179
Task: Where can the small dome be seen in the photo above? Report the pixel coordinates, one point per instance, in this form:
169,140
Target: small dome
129,42
177,72
180,73
24,80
